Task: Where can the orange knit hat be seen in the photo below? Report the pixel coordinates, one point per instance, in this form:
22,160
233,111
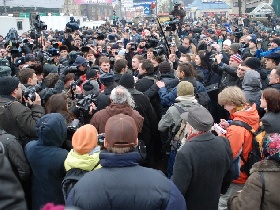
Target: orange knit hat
84,139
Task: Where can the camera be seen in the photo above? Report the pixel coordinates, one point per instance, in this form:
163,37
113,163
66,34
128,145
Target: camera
39,25
74,84
158,51
172,24
151,42
72,25
176,5
259,40
133,46
238,33
85,103
29,92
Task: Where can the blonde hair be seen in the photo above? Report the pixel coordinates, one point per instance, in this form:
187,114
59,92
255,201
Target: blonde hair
232,95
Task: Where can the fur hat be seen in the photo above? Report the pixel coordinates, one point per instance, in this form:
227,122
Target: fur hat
185,88
63,47
85,139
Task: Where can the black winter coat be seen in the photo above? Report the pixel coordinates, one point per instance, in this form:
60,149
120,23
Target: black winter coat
15,154
203,170
19,120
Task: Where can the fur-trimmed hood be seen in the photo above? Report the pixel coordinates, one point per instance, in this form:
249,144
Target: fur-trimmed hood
266,166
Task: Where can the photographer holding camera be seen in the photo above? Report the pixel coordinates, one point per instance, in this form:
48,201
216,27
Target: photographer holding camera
178,11
16,118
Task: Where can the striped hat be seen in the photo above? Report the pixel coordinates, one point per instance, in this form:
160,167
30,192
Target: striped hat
236,57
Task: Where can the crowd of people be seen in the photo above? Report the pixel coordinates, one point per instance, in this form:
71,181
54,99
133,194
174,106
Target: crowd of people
141,116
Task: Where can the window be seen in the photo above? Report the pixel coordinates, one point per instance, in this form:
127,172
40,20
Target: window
19,25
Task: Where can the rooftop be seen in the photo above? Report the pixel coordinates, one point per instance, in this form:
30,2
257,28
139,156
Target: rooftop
34,3
208,5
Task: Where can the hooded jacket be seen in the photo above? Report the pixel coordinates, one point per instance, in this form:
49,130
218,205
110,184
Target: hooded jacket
100,118
46,159
251,86
241,139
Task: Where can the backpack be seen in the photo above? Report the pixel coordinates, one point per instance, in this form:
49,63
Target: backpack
202,98
255,154
71,178
178,134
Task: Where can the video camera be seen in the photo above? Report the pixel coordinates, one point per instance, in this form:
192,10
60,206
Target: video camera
238,33
159,50
72,25
85,103
39,25
29,92
173,23
151,42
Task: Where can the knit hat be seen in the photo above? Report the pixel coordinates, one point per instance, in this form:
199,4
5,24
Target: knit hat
107,78
182,49
63,47
227,42
235,47
253,63
8,85
199,118
185,88
236,57
29,57
91,73
276,41
121,131
85,139
164,67
271,146
127,81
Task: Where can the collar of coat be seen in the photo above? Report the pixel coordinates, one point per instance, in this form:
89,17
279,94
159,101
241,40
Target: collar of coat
266,166
113,160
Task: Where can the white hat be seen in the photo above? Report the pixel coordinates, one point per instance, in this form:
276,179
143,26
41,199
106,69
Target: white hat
227,42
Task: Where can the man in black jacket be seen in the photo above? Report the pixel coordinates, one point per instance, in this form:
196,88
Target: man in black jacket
203,167
11,193
121,183
15,118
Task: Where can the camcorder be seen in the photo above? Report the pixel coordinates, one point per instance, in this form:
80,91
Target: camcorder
29,92
72,25
39,25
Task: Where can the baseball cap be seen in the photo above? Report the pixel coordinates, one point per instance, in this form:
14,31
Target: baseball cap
121,131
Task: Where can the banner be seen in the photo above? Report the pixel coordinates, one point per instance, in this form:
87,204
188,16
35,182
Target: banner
92,1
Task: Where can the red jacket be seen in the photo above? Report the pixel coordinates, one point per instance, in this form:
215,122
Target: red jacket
240,138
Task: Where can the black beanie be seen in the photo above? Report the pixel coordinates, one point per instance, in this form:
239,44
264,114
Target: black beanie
91,73
127,81
276,41
107,78
8,85
164,67
253,63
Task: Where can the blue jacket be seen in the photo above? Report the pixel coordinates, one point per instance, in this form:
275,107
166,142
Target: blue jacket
122,184
46,159
168,98
260,53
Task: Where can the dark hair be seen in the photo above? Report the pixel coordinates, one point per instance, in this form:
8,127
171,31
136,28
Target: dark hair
119,65
69,77
25,74
188,38
57,103
272,97
148,66
51,80
203,60
37,68
188,69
